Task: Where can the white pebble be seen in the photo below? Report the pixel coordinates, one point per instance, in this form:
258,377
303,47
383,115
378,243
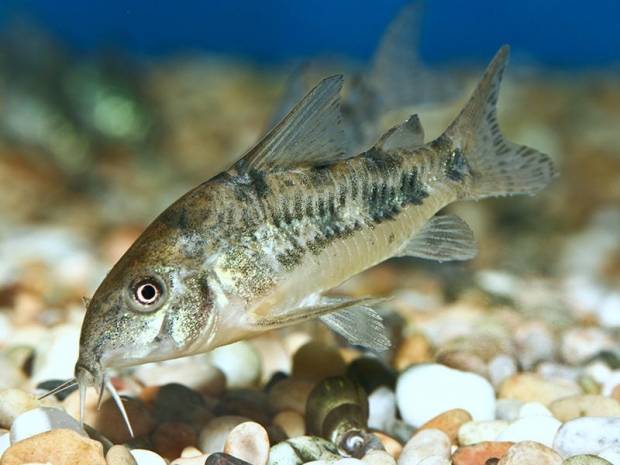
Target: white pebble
40,420
213,436
541,429
5,442
345,461
379,457
508,409
530,409
611,454
581,343
248,441
425,391
382,408
474,432
147,457
435,460
240,362
423,444
587,435
501,367
56,354
608,314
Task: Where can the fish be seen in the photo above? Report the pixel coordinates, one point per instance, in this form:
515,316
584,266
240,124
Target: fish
258,246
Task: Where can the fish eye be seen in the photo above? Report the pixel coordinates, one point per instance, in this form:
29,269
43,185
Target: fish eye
147,291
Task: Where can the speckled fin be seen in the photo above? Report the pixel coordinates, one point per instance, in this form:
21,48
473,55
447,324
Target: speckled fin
443,238
310,135
360,325
406,135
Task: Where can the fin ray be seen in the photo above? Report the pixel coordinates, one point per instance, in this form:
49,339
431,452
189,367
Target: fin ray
406,135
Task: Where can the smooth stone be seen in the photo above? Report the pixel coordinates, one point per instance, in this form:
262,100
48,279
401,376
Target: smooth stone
531,387
221,458
195,373
40,420
480,431
120,455
345,461
298,451
248,441
581,343
249,403
289,394
240,362
425,444
530,409
170,439
534,342
213,436
501,367
508,409
541,429
463,360
293,423
305,364
108,419
44,448
14,402
611,454
585,405
449,422
586,459
414,349
587,435
177,403
381,407
5,442
199,459
435,460
378,457
147,457
425,391
530,452
56,353
372,373
478,454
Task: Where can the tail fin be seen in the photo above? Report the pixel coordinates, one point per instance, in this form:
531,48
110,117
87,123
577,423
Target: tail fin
498,167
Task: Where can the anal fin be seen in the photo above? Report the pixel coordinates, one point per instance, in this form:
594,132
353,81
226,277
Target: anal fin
443,238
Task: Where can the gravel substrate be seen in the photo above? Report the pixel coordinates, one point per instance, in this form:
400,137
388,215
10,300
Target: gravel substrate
509,358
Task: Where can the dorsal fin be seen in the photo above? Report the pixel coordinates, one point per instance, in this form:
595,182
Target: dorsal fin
406,135
309,135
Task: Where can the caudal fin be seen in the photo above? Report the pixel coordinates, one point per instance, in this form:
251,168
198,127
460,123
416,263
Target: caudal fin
498,167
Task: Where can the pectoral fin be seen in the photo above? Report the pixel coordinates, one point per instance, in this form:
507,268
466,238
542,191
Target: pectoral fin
352,318
443,238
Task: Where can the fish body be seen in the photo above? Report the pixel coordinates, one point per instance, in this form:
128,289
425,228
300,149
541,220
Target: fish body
256,247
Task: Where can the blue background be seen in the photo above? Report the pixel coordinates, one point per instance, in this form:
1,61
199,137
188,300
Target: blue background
552,32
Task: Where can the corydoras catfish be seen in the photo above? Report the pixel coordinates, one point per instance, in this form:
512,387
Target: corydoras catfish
256,247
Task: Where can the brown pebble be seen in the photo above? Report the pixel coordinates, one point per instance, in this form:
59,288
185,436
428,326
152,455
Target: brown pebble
119,455
413,349
289,394
480,453
44,448
392,446
305,364
615,393
293,423
449,422
170,439
532,387
464,361
584,405
530,452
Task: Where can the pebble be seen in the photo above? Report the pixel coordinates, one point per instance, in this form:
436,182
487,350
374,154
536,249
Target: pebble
43,419
44,448
415,349
508,409
147,457
531,387
213,436
248,441
177,403
293,423
501,367
56,354
478,454
581,343
119,455
193,372
424,444
289,394
435,460
250,403
530,452
586,460
170,439
534,342
371,373
449,422
611,454
240,362
381,407
221,458
587,435
585,405
108,419
378,457
425,391
298,451
480,431
305,364
530,409
5,442
391,445
14,402
537,428
463,360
